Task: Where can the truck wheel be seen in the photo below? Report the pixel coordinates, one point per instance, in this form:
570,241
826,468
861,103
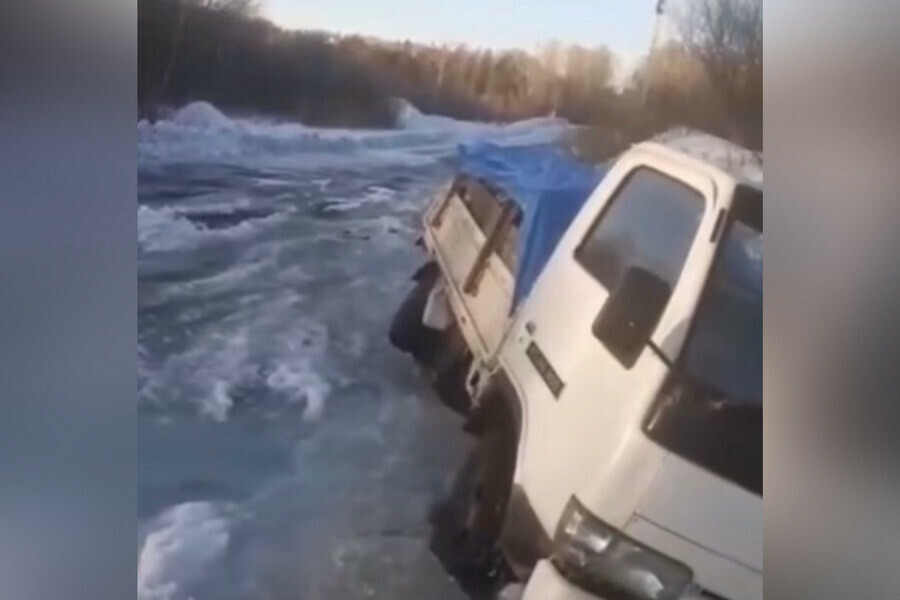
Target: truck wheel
407,332
450,383
466,524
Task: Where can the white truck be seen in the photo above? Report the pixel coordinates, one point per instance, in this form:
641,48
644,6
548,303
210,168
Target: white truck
617,406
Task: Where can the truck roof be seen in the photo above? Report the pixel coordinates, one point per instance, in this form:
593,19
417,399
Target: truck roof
550,186
739,162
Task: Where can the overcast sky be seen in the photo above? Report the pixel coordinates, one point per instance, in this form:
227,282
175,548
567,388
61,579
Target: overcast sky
625,26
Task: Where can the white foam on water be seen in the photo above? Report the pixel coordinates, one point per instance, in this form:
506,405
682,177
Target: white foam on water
218,404
202,115
203,374
213,203
265,344
373,195
162,229
411,118
301,382
241,275
345,205
377,193
182,543
200,132
166,229
218,361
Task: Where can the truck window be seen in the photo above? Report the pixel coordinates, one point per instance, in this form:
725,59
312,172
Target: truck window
650,222
710,410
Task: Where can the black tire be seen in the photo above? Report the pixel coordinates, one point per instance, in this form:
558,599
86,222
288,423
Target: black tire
466,524
407,332
450,383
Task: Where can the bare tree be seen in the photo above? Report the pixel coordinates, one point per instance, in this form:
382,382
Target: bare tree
727,37
725,34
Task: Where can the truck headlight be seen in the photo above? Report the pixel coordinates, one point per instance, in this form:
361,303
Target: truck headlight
602,560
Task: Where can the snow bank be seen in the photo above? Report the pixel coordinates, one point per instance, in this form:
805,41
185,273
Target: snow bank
728,156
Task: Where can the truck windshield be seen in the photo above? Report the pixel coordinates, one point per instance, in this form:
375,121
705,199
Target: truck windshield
710,408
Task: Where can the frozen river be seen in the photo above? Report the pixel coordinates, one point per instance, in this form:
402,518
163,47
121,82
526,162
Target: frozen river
286,450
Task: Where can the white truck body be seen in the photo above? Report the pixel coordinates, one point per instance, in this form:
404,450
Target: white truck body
582,432
454,238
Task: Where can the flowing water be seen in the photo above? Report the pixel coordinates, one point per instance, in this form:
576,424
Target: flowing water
286,450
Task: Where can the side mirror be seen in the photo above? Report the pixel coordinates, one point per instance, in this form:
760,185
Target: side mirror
630,314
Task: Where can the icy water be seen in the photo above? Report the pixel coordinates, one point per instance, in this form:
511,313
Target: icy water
286,450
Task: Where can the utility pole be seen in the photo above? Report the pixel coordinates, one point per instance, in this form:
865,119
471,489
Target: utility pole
645,88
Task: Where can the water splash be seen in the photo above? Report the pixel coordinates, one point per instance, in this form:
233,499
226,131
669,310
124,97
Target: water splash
199,132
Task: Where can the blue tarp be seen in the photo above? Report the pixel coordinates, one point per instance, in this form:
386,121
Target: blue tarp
548,185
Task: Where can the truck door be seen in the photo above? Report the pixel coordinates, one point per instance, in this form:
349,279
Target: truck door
582,406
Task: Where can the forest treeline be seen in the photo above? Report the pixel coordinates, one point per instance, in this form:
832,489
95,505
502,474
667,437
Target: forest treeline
217,50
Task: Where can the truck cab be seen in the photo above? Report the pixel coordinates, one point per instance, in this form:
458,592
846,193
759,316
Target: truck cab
627,385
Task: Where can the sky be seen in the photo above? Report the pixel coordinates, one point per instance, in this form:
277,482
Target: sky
625,26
